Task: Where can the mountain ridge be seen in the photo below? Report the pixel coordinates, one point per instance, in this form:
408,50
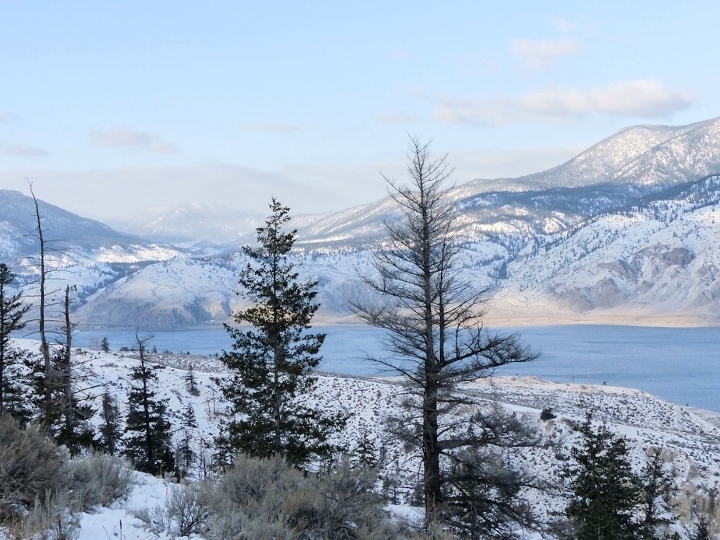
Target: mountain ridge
649,193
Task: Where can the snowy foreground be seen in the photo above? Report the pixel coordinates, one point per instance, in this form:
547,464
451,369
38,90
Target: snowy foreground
688,438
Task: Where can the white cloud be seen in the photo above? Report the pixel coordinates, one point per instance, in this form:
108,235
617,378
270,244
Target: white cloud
125,137
539,54
642,98
270,127
25,151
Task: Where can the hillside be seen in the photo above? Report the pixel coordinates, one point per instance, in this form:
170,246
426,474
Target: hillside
688,439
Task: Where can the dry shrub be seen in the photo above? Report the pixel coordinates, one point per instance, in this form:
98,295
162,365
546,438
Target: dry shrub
98,480
259,499
30,468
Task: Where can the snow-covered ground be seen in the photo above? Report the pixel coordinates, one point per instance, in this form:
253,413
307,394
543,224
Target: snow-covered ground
688,438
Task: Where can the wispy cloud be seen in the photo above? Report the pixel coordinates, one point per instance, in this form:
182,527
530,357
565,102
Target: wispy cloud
125,137
643,98
539,54
269,127
397,118
25,151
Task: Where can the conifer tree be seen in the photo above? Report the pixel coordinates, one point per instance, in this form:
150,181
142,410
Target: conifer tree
147,430
12,311
191,381
186,455
702,532
110,432
271,364
604,487
105,345
656,488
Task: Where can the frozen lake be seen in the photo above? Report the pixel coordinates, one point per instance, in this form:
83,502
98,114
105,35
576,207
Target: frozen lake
681,365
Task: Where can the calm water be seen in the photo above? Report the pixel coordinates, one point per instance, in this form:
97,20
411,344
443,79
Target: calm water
678,364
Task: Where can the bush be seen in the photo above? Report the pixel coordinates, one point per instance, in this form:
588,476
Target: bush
30,468
52,519
98,480
187,509
266,498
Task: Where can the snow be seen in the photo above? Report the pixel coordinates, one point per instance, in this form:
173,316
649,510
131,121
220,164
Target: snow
688,438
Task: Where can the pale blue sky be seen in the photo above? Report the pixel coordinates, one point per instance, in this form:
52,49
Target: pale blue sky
113,107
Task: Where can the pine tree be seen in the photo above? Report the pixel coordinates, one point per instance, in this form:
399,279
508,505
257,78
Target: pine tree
110,433
604,488
186,455
191,381
105,345
656,487
702,532
147,431
271,364
365,452
12,311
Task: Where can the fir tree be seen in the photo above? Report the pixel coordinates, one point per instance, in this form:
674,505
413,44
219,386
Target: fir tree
186,455
702,532
604,488
191,382
656,487
110,433
271,364
12,311
147,431
105,345
365,452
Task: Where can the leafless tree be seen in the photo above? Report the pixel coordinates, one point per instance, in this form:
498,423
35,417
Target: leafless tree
433,317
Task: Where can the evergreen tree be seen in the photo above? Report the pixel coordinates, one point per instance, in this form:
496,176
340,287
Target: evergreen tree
365,452
186,455
147,431
656,486
271,364
191,382
12,311
604,488
110,433
702,532
105,345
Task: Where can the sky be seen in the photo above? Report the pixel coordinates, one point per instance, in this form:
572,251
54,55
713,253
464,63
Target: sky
113,108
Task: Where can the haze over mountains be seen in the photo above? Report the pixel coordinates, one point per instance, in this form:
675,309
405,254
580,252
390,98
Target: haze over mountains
627,231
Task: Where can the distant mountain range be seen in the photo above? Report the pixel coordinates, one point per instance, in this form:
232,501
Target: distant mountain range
628,231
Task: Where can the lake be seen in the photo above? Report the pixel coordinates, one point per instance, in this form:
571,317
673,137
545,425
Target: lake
681,365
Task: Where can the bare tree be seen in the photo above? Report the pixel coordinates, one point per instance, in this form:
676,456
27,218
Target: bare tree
44,345
433,317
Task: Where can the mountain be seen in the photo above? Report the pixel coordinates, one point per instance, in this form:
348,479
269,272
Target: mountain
626,232
80,252
193,224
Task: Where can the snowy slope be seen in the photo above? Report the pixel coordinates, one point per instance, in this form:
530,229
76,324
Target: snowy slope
688,439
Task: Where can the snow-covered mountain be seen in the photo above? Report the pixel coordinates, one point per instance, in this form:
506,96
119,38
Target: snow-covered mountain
197,224
625,232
